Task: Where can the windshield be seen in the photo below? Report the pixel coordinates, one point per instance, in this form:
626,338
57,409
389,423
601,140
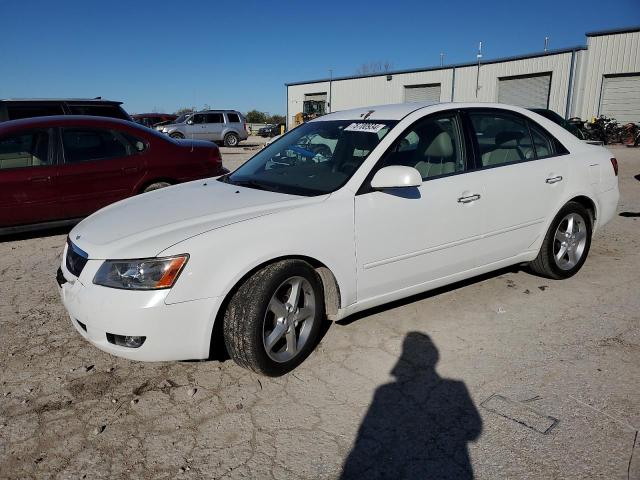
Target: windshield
313,159
182,118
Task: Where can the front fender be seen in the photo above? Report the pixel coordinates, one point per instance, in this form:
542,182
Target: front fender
219,259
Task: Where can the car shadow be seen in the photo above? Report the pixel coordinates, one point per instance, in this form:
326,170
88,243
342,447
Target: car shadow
419,425
48,232
431,293
637,177
629,214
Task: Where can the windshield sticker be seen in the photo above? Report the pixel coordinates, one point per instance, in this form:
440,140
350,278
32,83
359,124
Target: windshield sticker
365,127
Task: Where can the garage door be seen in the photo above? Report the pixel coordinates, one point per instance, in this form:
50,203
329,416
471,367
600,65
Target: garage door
531,91
621,98
422,93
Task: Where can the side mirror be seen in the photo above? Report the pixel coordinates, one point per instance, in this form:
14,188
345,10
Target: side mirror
189,122
396,176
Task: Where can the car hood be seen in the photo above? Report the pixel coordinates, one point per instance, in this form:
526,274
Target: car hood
147,224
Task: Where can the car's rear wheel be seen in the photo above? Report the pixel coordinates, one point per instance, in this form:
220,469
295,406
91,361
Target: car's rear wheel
273,320
566,244
176,135
155,186
231,140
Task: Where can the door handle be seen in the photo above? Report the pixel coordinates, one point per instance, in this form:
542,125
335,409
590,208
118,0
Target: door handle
129,169
469,199
40,179
552,180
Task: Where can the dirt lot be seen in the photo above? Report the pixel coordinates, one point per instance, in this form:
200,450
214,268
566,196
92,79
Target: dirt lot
508,376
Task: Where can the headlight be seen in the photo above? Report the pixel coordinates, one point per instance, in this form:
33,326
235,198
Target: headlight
143,274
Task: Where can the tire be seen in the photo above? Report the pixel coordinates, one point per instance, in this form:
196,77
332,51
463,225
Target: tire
250,320
176,135
231,140
155,186
572,225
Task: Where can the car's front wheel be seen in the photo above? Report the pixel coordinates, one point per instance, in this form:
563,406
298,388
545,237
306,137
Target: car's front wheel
566,245
155,186
176,135
273,320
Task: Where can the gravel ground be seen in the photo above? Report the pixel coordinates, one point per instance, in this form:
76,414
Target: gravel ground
506,376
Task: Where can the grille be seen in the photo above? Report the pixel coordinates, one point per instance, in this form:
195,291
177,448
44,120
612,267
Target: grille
76,259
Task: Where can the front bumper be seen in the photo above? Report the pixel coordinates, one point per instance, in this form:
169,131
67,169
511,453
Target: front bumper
179,331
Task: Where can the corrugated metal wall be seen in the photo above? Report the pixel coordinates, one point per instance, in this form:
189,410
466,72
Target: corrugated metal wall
558,65
360,92
608,54
613,53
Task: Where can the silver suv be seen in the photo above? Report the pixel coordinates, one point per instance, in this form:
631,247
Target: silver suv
227,126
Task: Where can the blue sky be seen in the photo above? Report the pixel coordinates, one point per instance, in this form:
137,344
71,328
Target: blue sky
160,55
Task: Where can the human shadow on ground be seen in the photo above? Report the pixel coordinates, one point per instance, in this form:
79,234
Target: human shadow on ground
418,426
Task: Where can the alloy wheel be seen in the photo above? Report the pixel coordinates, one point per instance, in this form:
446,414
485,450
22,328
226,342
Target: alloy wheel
570,240
289,319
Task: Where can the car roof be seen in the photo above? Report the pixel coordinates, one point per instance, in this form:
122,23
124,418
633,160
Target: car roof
62,120
217,110
398,111
136,115
43,100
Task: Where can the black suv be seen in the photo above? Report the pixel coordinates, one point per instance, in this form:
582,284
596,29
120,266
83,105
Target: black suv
14,109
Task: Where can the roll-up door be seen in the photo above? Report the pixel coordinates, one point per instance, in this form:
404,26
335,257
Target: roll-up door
621,98
531,91
422,93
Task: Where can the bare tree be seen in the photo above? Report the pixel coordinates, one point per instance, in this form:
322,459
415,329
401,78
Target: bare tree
374,67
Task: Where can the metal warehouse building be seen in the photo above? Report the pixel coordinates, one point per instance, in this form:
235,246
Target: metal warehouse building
601,78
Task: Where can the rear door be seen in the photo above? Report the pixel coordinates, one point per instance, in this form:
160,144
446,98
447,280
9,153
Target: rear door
100,166
28,172
213,127
523,172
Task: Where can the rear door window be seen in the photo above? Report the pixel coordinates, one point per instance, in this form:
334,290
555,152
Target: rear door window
27,149
502,138
113,111
215,118
16,112
83,145
233,117
546,145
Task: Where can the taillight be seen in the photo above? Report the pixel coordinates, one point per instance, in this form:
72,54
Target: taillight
216,156
614,164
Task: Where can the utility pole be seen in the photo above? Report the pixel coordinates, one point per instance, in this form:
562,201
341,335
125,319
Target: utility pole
442,59
546,44
479,57
330,85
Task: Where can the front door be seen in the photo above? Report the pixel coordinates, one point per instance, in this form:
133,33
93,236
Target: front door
28,174
409,236
195,127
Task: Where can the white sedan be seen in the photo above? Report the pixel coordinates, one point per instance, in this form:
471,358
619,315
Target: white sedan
346,212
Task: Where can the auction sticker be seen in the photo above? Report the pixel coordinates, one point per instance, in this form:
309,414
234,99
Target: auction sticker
365,127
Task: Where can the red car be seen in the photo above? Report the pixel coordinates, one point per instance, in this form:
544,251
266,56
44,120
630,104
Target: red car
56,170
